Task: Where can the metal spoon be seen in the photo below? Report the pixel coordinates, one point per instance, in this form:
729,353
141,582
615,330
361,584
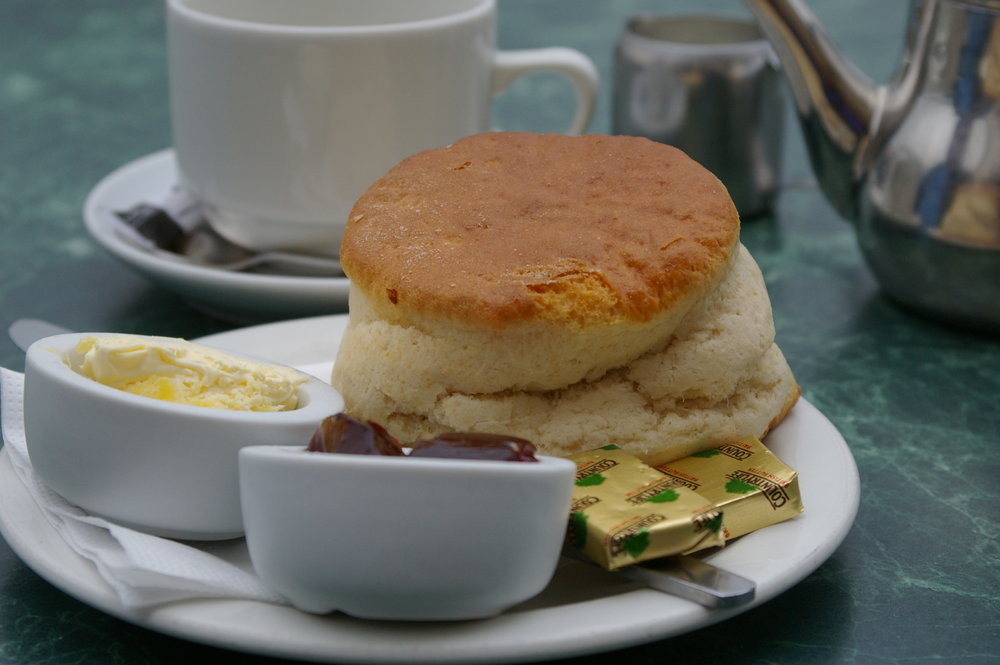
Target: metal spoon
175,229
204,246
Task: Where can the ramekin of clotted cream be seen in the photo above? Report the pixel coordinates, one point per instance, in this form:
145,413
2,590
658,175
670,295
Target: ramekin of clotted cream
167,466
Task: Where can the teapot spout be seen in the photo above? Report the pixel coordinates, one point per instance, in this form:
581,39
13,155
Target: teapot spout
838,105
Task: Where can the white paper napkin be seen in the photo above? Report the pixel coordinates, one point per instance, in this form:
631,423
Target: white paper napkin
143,570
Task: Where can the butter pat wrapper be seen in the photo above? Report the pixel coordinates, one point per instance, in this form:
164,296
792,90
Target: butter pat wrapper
625,511
745,480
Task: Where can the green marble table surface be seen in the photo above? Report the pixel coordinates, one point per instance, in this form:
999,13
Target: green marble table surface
917,581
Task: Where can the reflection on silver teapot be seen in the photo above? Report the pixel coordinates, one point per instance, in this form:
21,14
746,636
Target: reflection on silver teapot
915,163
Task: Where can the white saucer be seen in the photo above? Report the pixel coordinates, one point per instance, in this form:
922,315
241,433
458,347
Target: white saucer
236,296
584,609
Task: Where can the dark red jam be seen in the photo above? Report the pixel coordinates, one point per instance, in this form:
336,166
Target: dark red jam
341,433
344,434
473,445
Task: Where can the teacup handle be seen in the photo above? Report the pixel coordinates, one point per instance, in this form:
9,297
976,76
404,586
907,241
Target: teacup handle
578,68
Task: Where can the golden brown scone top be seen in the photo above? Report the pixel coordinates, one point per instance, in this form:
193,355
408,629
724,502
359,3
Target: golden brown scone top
503,227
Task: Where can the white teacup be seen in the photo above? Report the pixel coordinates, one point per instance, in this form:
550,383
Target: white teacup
285,112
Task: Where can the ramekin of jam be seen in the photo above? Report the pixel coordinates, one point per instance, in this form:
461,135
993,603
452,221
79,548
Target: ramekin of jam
456,527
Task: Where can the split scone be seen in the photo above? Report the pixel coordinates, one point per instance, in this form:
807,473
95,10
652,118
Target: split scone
574,291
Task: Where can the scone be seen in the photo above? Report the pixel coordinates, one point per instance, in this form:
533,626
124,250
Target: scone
573,291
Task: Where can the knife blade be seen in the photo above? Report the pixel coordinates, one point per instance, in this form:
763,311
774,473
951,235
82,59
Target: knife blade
24,332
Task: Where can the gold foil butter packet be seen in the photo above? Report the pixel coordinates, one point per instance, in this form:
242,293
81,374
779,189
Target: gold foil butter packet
625,511
745,480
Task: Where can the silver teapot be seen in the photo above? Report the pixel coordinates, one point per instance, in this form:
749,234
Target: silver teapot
914,163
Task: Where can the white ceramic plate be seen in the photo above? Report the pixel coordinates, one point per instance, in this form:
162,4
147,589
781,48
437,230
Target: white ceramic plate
236,296
584,609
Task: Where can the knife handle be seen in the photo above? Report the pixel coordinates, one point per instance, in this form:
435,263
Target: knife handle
691,578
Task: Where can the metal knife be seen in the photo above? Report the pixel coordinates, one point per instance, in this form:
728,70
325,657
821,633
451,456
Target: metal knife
687,577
